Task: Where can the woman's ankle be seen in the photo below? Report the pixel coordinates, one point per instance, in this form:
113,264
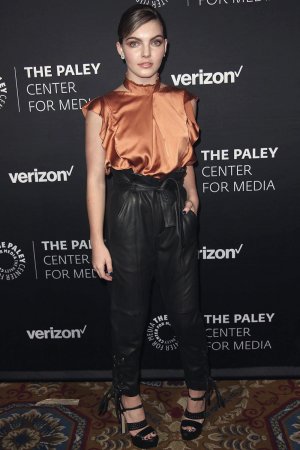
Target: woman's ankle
196,392
130,400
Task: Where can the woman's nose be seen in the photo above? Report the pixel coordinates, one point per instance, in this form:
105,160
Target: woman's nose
146,51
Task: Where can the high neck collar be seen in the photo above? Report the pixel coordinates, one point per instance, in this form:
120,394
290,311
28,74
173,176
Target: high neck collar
141,89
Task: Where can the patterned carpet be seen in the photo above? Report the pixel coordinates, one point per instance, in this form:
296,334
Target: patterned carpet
259,415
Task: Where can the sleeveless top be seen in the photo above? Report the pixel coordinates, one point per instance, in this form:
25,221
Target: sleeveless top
148,128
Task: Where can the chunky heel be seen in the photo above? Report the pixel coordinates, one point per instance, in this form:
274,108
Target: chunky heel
123,424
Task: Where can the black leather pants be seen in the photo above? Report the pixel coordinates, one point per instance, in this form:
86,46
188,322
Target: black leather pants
148,236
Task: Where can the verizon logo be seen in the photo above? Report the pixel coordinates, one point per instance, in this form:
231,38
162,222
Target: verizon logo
202,77
52,333
40,176
219,253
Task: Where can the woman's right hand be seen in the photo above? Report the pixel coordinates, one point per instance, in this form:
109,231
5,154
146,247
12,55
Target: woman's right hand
101,260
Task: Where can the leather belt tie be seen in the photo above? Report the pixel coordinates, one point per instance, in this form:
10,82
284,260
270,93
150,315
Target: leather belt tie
140,182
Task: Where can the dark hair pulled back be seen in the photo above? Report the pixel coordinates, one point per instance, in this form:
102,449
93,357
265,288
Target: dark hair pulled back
136,16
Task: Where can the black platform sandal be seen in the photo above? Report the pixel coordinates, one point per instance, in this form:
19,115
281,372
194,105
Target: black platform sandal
192,418
139,439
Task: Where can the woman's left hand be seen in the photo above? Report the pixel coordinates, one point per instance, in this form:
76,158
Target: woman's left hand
189,205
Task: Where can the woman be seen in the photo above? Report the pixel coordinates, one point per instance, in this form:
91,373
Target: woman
146,131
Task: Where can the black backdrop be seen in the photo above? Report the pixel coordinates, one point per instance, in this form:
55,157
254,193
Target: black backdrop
242,59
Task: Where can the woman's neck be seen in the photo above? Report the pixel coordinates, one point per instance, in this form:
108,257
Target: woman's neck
141,88
142,81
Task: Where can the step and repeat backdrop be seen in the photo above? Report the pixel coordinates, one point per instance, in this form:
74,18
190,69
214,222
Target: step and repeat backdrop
241,57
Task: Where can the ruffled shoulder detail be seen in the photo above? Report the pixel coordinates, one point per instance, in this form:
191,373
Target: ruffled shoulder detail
94,105
188,96
193,127
99,106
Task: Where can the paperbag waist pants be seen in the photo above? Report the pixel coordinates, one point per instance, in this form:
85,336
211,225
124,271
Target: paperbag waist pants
148,236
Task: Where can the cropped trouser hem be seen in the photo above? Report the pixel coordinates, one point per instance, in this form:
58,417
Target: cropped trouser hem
198,385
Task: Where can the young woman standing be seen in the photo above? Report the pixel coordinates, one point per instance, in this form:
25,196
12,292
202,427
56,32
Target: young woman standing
143,133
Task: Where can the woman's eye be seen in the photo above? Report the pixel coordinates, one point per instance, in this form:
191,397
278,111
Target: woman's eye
133,44
157,42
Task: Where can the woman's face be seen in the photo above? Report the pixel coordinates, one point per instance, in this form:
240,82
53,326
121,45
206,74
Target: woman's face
144,50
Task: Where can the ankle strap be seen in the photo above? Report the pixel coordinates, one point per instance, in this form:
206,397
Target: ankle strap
197,398
212,386
134,407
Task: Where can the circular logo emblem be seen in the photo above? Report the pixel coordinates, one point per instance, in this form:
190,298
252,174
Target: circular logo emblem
12,261
160,334
3,92
154,3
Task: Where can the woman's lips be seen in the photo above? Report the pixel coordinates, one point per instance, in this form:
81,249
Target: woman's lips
145,65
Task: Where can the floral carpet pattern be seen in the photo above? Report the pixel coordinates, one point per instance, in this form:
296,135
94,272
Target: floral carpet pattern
258,415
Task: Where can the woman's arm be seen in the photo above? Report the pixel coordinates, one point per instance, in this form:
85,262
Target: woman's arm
95,194
189,182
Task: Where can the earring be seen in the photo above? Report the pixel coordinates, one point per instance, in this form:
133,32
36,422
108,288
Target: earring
122,56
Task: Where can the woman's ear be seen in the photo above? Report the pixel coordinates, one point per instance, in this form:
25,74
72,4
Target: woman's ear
166,45
119,48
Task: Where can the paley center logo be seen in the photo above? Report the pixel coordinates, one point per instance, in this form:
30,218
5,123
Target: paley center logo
12,261
201,77
159,334
224,2
53,333
219,253
3,92
154,3
41,176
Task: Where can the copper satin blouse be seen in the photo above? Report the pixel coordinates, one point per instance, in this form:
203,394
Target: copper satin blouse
148,128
